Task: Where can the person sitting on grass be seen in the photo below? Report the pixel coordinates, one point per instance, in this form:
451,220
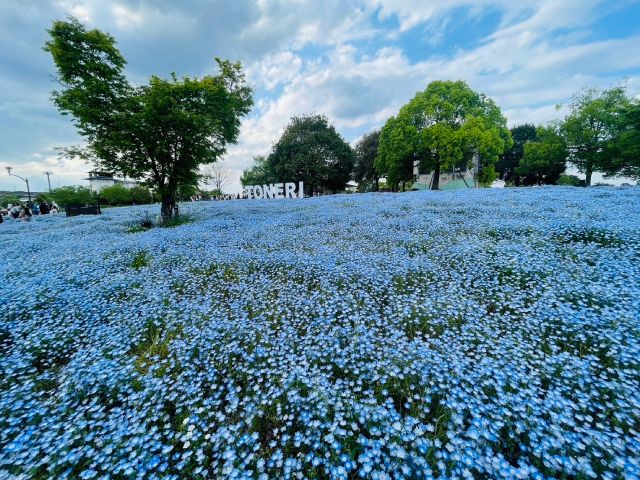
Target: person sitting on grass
15,211
26,215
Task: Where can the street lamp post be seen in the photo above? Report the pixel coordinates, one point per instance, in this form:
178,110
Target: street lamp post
25,180
48,174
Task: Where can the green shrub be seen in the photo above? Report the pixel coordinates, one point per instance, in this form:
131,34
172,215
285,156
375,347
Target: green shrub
7,199
140,194
148,222
73,195
570,180
116,195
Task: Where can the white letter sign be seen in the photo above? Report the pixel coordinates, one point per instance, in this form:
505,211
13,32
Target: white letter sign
276,190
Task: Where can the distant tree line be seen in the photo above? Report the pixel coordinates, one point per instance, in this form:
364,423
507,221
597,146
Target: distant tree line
449,126
164,132
601,133
310,150
116,195
112,195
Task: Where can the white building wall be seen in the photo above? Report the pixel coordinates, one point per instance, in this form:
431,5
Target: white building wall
96,185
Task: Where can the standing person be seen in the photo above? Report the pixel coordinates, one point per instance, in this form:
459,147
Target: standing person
44,208
54,208
35,209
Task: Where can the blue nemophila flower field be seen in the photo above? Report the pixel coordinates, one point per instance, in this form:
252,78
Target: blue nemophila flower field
474,334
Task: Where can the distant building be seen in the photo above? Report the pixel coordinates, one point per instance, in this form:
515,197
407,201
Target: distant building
99,180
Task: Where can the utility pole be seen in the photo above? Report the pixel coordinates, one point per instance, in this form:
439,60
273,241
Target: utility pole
26,180
48,174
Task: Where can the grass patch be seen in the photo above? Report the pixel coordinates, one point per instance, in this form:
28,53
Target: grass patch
148,222
596,236
141,259
153,347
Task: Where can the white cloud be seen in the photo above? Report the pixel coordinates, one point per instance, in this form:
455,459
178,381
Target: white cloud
126,17
275,70
303,56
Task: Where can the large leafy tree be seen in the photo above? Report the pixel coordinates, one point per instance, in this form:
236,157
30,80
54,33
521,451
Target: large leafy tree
544,159
591,125
623,150
160,132
364,171
395,157
510,159
443,127
312,151
259,173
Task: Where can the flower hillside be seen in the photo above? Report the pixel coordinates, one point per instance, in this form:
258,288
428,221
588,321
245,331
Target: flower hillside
468,334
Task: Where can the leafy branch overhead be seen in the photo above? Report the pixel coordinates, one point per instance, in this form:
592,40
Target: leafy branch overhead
160,132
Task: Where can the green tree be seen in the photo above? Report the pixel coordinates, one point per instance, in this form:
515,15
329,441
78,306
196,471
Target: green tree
115,195
510,159
186,191
160,132
544,160
395,158
73,195
364,171
9,198
623,150
312,151
443,127
140,195
258,174
591,125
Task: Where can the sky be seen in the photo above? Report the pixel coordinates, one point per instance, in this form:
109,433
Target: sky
355,61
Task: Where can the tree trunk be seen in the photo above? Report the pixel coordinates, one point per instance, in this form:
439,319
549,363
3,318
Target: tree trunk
377,184
436,177
588,174
168,203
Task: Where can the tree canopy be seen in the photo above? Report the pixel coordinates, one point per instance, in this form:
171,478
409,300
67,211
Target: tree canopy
258,174
623,150
591,125
443,127
544,159
510,159
312,151
364,171
160,132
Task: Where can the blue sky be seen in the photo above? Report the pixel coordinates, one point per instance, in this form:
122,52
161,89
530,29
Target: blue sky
356,61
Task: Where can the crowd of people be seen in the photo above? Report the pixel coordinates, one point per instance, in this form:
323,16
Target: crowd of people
27,211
